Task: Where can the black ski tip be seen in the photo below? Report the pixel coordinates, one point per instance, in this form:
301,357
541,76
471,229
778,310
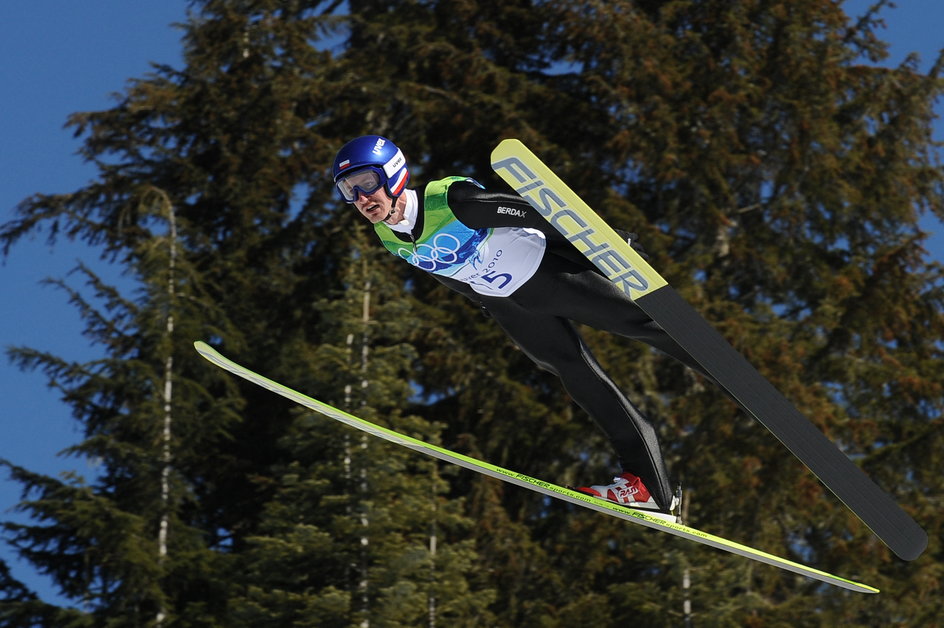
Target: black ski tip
913,546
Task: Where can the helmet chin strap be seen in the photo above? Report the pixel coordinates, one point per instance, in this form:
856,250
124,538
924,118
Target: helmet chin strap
393,205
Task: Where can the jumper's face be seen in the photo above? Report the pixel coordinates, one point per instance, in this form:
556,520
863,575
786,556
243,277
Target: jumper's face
374,206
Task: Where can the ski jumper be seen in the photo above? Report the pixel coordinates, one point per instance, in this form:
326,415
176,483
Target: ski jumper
497,250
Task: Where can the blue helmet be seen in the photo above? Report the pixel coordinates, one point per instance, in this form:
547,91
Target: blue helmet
368,162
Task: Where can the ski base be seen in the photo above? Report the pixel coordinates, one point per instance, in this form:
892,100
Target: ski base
524,481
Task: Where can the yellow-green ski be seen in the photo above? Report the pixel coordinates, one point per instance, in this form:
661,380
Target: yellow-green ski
519,479
577,221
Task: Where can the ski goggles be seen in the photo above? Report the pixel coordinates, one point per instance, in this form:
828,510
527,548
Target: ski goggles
364,181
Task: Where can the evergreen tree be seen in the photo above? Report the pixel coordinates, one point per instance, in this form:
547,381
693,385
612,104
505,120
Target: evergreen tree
771,161
775,175
126,545
359,531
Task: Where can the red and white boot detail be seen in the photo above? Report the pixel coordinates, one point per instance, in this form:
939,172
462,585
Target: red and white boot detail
628,490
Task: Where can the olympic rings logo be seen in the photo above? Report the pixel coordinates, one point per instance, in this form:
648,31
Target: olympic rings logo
443,250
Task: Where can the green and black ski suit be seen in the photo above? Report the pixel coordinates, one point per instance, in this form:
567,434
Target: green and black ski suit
539,314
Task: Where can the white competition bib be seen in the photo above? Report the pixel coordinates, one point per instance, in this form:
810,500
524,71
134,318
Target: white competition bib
505,261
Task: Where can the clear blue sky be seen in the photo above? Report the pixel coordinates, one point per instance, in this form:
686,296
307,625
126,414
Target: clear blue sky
58,57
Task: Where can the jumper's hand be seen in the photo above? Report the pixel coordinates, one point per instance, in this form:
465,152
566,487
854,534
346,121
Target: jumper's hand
632,240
